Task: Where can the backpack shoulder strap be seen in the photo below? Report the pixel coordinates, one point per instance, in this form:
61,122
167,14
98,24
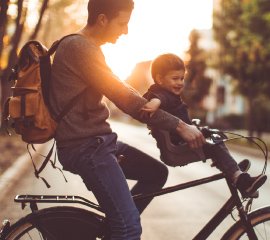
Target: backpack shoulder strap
55,45
70,105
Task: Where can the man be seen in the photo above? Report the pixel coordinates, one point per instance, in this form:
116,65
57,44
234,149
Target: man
86,144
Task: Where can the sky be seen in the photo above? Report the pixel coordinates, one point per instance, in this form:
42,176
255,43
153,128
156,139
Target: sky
156,27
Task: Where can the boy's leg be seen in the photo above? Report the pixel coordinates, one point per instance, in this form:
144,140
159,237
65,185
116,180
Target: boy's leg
225,162
96,163
151,175
222,159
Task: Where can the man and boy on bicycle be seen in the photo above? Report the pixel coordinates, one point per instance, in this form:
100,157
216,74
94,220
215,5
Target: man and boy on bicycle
86,145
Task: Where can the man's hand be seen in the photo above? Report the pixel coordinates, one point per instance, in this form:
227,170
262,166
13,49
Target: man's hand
191,134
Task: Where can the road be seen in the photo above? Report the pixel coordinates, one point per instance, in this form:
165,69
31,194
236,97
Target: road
177,215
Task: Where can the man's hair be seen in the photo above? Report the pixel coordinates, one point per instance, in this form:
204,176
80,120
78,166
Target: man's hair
110,8
165,63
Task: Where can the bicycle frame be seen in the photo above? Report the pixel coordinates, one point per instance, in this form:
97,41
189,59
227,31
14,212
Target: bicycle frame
225,210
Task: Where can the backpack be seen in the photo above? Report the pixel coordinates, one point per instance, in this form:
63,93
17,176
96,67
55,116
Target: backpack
28,109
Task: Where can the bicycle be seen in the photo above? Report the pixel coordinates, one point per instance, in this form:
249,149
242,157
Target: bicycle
70,223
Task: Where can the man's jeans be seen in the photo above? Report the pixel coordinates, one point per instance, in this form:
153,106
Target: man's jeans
96,162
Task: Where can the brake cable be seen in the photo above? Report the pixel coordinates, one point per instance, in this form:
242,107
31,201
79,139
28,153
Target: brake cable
254,141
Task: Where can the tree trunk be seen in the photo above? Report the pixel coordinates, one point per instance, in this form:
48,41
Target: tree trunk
3,23
5,84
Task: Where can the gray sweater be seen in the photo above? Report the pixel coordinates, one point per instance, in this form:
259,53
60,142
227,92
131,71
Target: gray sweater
80,64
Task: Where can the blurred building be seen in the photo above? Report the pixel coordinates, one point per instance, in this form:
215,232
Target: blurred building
222,99
140,77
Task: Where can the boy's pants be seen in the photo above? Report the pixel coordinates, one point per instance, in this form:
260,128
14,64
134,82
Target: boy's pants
222,159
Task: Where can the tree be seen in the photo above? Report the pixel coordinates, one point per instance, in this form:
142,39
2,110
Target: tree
3,22
242,29
14,29
197,84
13,39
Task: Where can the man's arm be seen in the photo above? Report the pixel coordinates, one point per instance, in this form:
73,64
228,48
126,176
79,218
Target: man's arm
93,69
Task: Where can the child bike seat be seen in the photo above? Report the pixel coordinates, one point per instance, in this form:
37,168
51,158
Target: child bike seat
175,155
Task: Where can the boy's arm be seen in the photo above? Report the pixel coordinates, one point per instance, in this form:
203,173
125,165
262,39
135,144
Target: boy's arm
151,107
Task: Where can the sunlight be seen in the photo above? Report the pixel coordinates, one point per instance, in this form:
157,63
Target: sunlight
157,26
33,15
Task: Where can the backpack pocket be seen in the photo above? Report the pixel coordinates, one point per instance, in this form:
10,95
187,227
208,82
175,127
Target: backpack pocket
31,117
24,105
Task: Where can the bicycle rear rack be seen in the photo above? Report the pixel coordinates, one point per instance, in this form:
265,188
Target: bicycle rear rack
34,199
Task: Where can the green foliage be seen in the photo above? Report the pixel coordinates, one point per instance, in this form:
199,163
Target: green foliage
242,29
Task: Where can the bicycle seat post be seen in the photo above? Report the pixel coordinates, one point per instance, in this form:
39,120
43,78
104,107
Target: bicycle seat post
33,206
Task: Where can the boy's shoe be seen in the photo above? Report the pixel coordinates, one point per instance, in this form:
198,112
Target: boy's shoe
247,185
244,165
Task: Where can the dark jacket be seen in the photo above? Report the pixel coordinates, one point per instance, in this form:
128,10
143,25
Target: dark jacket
172,104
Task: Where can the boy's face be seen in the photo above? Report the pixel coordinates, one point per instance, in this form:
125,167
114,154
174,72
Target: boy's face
117,26
173,81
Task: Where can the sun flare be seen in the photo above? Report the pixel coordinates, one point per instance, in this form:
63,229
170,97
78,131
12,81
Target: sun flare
157,26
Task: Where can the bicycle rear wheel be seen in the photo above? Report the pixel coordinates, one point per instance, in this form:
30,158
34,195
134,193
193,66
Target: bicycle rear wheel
58,223
260,220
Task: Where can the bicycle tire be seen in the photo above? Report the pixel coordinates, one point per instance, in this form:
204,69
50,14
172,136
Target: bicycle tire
260,220
58,223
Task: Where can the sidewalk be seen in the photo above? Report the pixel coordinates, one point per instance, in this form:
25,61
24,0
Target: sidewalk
16,171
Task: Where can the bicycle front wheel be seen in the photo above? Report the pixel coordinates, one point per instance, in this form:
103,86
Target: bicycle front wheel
260,220
58,223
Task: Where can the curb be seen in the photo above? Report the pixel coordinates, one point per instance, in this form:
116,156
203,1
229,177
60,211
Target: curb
14,173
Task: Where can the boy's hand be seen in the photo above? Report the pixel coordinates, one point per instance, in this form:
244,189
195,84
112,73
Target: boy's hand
150,107
191,134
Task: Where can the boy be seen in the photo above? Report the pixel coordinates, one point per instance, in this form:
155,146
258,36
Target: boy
168,72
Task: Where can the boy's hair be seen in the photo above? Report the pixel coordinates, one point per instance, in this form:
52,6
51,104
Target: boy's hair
165,63
110,8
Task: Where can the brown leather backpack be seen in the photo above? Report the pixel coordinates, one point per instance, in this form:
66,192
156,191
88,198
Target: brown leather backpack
28,109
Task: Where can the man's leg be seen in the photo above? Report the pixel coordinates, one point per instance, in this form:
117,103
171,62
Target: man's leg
97,165
151,175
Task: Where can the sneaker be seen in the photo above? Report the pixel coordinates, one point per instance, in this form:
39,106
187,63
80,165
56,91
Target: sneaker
244,165
247,185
